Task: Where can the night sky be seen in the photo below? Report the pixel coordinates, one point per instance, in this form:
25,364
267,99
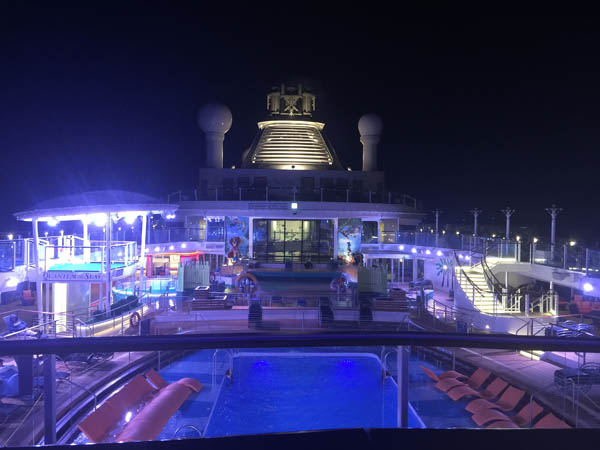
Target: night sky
478,112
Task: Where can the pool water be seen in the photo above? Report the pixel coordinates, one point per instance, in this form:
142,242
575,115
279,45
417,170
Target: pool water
312,391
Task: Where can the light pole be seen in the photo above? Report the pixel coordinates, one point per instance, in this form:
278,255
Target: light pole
507,213
437,213
553,213
475,213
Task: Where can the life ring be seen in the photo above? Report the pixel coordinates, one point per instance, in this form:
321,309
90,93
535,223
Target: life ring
247,278
134,320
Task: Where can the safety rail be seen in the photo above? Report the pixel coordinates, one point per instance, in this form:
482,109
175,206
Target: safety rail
267,193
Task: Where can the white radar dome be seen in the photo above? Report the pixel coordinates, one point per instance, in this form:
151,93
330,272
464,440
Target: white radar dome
370,125
215,118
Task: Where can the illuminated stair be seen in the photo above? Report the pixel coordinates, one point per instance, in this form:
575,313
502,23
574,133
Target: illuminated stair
482,296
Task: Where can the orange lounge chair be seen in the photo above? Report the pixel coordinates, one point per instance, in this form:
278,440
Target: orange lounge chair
192,383
132,394
503,424
494,389
155,378
149,422
551,421
528,413
96,426
475,381
447,374
507,402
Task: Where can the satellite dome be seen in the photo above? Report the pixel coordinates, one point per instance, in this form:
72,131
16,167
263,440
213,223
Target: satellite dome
370,125
215,118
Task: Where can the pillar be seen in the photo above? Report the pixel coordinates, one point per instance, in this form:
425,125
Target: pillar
402,370
335,239
108,243
38,283
251,237
49,399
415,269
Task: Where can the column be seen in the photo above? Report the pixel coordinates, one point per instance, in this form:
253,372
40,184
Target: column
49,399
86,240
415,269
251,237
108,245
38,283
402,369
335,239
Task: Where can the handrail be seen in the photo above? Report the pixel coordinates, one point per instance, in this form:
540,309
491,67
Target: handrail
465,274
310,339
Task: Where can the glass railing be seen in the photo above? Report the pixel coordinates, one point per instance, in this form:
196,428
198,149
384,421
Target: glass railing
80,391
294,194
567,257
13,253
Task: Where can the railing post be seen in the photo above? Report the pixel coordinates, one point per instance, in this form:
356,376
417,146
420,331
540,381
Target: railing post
216,194
389,197
527,305
369,196
321,194
267,193
564,256
294,192
240,193
347,195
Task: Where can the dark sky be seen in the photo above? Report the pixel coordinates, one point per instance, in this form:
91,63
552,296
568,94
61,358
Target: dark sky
478,111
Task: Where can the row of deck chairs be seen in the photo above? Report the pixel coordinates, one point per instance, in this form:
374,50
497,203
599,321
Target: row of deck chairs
493,414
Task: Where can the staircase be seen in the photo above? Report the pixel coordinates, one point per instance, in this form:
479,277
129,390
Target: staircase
476,287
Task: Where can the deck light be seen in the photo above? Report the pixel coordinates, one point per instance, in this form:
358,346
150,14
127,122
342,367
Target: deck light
157,249
12,282
443,231
183,245
460,256
518,238
413,250
98,219
428,252
10,236
294,205
171,247
587,287
468,258
438,253
457,233
52,222
487,327
493,236
445,267
401,247
130,218
128,416
572,243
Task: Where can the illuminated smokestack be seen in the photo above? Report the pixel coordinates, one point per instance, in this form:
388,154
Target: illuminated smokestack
214,120
369,127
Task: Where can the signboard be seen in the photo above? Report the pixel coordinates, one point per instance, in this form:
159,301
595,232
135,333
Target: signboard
349,238
73,276
236,237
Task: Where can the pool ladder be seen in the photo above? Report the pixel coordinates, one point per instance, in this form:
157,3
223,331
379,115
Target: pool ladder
229,353
187,426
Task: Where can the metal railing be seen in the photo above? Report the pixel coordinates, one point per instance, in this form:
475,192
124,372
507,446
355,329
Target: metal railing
292,194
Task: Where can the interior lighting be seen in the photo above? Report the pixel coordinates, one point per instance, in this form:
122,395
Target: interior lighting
413,250
52,222
294,205
401,247
10,236
438,253
170,216
130,218
572,243
98,219
587,287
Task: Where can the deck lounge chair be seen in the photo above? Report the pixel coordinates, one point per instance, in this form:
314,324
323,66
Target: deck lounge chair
475,381
528,413
551,421
447,374
507,402
154,378
503,424
494,389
